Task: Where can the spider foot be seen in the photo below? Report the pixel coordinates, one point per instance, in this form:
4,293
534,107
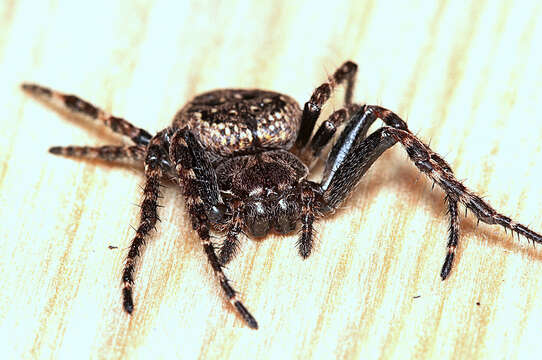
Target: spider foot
128,302
447,266
247,316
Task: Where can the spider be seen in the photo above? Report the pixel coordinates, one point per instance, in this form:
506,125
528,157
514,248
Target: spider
230,151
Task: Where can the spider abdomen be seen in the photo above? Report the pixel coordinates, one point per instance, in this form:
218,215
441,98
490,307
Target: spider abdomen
240,121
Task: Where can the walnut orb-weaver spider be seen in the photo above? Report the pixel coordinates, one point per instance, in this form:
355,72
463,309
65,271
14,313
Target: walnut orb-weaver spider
229,152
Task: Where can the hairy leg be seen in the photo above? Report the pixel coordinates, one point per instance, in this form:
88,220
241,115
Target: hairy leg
107,152
453,237
430,164
81,107
201,190
352,156
155,167
453,229
230,246
309,194
345,165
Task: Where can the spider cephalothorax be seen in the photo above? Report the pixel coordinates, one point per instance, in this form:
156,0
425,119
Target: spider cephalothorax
264,187
229,150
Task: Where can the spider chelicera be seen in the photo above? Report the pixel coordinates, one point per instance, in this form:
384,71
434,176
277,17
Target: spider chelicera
229,150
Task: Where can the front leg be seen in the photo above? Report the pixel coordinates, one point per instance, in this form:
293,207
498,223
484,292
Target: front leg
430,164
155,167
355,132
204,205
357,128
351,157
310,197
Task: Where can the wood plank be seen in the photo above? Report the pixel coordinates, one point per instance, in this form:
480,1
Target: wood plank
468,79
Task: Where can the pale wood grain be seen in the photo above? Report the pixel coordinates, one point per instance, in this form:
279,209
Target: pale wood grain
467,77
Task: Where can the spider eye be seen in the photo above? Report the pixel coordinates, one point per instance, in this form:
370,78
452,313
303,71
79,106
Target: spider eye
257,218
285,216
216,213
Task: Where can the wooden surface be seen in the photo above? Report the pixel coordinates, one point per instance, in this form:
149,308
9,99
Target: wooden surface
467,77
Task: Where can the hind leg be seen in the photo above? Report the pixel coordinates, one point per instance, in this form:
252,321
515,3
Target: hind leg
81,107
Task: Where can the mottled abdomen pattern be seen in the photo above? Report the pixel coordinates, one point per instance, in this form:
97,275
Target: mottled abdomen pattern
240,121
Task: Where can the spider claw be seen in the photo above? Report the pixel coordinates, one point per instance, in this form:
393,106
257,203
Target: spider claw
128,303
447,266
57,150
249,319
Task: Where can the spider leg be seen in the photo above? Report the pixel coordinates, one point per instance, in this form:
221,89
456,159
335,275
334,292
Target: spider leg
230,246
313,107
200,187
155,166
309,194
318,199
107,152
430,164
453,237
81,107
345,165
391,119
453,229
327,129
351,157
